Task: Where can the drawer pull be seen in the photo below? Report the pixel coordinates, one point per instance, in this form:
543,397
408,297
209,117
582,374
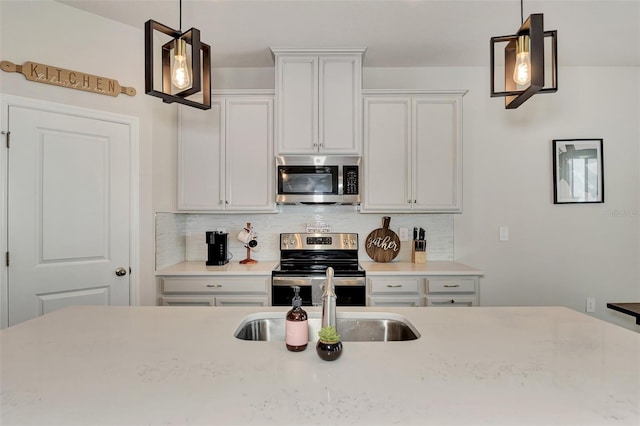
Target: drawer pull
214,285
394,285
451,285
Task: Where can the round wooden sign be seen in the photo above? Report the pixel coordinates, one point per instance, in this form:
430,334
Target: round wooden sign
382,244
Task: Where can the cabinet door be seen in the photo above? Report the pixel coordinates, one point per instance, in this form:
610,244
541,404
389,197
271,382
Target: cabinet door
297,104
339,91
249,154
437,154
200,154
387,143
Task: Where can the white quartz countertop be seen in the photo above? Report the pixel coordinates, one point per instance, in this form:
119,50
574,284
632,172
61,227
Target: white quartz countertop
231,268
433,267
183,366
371,268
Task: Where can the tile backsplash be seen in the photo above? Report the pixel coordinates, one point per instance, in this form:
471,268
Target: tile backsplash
181,236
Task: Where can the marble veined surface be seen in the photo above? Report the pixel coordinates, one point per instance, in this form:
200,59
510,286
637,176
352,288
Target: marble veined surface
183,366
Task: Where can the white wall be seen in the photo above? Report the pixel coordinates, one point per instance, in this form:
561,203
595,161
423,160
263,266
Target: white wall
55,34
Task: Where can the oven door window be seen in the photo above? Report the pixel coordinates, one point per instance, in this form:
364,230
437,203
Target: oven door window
300,180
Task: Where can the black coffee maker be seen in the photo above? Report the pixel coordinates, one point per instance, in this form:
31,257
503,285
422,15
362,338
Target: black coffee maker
217,248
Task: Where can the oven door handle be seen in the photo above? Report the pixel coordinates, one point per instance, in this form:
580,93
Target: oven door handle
308,281
289,281
349,281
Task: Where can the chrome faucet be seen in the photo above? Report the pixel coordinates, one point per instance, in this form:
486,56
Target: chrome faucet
329,301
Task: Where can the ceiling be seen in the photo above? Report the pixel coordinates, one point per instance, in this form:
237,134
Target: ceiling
397,33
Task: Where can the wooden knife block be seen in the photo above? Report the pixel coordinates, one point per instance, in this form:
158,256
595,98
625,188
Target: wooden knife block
419,251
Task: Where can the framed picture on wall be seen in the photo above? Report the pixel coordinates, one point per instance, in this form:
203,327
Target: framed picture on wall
578,175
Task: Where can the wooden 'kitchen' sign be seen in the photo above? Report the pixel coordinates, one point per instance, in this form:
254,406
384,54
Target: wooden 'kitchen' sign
48,74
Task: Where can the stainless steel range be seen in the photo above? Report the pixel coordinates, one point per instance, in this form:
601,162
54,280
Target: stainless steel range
304,259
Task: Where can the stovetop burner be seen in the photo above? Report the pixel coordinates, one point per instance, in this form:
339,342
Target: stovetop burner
311,254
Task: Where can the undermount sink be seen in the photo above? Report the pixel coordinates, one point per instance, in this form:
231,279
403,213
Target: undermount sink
352,327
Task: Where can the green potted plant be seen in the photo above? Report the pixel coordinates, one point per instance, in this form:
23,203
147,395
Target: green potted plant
329,346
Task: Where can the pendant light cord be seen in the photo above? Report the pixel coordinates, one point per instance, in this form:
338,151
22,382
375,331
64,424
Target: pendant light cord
521,11
180,27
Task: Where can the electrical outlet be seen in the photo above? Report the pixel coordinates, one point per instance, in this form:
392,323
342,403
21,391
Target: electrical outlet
404,234
504,233
590,304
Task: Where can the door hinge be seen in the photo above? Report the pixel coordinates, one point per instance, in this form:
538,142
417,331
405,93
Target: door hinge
7,258
8,137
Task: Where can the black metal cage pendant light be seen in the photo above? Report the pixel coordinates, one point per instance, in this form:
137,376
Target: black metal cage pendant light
181,77
524,61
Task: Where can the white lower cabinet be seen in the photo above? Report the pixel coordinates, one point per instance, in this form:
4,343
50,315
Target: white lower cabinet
395,291
450,290
216,291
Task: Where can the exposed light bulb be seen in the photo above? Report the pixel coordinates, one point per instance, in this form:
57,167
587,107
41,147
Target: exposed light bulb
181,73
522,68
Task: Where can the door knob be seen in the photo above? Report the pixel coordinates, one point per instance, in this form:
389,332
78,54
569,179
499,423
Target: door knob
121,272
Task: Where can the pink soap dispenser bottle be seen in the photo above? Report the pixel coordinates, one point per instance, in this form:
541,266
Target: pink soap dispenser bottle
296,327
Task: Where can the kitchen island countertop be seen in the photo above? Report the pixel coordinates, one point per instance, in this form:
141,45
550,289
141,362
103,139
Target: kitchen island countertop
183,365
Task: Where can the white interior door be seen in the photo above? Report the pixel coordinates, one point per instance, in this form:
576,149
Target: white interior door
68,212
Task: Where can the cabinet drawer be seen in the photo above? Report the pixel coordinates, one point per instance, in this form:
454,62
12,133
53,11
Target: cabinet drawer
404,301
451,285
395,285
215,285
448,301
187,301
242,301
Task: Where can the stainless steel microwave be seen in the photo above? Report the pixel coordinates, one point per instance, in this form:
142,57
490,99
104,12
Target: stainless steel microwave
318,179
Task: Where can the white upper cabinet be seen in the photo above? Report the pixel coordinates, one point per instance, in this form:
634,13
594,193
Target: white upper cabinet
318,100
412,152
200,153
225,155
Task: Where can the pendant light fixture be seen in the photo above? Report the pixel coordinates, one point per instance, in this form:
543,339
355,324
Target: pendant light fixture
181,77
524,61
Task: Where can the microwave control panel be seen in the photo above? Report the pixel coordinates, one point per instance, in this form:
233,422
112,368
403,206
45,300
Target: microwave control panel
350,180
